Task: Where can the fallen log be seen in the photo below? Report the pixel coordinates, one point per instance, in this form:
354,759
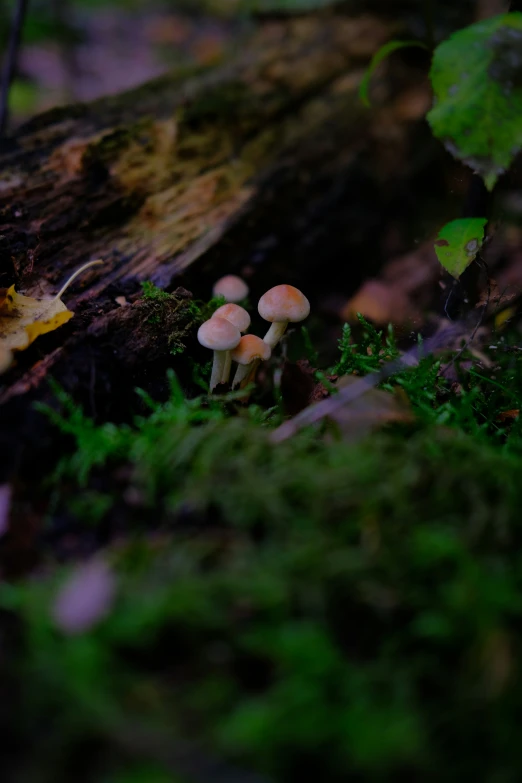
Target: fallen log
150,179
269,154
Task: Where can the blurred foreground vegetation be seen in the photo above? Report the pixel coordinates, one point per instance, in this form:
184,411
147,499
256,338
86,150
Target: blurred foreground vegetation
348,611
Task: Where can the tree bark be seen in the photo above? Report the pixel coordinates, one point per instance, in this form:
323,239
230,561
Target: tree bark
150,179
203,166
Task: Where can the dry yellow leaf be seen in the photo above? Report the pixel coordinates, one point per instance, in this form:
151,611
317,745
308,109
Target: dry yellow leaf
23,318
503,317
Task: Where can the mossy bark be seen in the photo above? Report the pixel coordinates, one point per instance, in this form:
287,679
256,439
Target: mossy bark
150,179
184,167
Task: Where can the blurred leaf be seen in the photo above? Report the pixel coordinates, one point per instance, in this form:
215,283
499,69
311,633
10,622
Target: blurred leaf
381,734
5,507
142,772
85,598
372,410
23,97
477,79
458,243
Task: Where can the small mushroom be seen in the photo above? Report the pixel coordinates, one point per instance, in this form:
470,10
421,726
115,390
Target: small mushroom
232,288
248,353
235,314
281,305
220,336
240,318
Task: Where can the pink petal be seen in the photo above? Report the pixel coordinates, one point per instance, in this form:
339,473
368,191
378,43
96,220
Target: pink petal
85,598
5,505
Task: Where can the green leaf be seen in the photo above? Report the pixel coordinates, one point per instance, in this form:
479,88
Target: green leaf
23,97
377,58
458,243
476,75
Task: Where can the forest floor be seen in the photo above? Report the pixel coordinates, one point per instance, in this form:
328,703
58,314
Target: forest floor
187,597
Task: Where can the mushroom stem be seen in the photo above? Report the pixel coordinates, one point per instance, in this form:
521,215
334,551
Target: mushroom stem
226,367
251,376
248,353
217,368
244,374
274,334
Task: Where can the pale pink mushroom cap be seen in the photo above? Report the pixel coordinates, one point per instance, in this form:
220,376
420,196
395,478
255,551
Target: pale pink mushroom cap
235,314
232,288
218,334
251,348
284,303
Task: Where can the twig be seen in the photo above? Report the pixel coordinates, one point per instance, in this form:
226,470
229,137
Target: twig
11,61
321,410
480,319
453,288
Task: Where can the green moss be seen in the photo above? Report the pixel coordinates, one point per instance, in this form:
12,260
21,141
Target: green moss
151,291
313,608
142,773
368,353
205,310
311,605
112,144
171,315
23,97
199,309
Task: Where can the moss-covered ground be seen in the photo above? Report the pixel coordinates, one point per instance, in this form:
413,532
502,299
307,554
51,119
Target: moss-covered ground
318,609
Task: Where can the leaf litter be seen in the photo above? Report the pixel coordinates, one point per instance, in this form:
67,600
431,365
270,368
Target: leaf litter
24,318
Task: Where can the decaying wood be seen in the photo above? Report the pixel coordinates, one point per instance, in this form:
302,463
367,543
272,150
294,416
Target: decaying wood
150,179
181,168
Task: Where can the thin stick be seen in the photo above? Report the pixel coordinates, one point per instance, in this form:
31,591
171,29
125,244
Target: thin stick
483,312
321,410
79,271
11,61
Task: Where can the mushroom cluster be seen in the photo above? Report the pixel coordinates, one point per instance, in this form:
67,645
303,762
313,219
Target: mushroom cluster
280,306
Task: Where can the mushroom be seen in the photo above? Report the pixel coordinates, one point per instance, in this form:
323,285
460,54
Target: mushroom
235,314
281,305
248,353
232,288
220,336
240,318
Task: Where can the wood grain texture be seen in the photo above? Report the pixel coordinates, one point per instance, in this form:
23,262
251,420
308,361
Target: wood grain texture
150,179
